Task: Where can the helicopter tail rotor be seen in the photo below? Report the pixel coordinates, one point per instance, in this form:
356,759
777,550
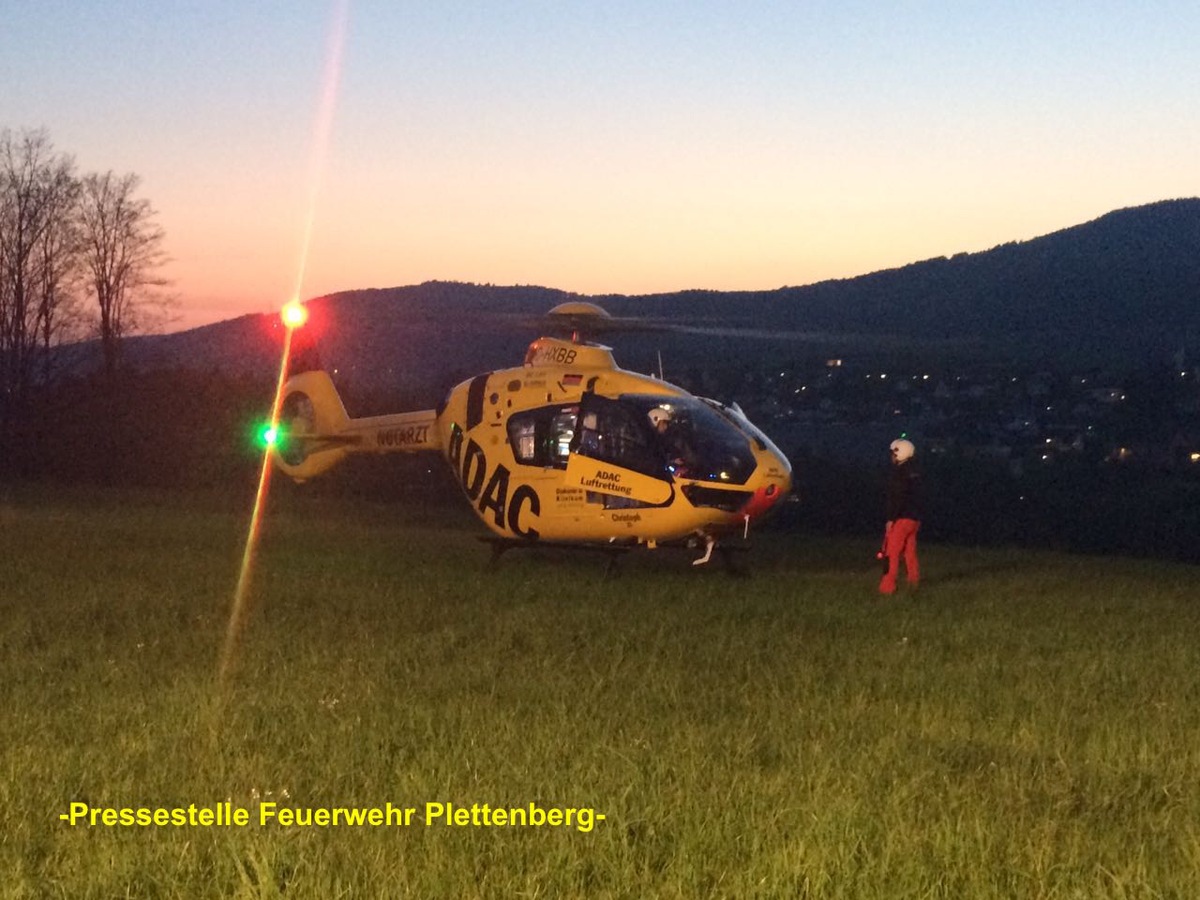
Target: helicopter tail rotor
312,420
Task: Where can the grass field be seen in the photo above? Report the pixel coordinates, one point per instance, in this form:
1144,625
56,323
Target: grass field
1028,726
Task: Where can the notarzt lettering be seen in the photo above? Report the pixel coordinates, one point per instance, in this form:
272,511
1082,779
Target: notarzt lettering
403,437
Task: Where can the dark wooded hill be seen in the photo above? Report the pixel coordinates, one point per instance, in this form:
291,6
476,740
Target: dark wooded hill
1123,288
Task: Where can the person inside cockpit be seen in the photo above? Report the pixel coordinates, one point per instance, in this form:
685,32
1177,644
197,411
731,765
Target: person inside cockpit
671,439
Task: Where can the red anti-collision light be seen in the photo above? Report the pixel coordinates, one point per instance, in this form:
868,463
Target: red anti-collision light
294,314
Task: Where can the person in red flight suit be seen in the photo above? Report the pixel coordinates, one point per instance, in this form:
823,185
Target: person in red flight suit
903,518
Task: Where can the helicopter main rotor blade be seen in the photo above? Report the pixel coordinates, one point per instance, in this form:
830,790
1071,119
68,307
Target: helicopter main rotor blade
585,323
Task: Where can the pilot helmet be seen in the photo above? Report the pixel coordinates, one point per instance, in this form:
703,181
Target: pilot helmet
658,416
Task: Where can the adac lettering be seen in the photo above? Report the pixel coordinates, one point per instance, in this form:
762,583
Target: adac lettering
607,481
490,493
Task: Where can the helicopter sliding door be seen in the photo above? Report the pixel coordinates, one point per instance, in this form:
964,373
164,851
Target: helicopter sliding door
609,451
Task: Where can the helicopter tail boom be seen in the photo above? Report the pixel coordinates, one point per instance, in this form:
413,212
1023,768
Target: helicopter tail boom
317,433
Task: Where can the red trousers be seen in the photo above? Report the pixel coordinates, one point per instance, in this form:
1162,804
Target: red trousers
901,540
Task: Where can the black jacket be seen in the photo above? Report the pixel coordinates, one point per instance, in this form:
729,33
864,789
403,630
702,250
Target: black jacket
904,494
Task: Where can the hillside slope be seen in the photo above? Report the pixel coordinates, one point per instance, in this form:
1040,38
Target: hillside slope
1126,285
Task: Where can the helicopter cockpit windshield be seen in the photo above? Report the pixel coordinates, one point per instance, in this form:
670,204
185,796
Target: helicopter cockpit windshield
667,436
660,436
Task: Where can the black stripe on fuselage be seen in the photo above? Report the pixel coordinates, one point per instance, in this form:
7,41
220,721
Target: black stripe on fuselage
475,393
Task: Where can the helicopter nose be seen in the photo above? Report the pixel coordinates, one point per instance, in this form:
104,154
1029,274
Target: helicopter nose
763,500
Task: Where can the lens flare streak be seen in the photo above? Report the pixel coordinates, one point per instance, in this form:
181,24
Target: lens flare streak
322,130
238,613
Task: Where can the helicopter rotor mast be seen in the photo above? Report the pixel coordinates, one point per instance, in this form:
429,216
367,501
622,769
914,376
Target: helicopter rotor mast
578,317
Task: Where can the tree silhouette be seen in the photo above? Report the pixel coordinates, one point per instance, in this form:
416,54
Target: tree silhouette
38,259
122,251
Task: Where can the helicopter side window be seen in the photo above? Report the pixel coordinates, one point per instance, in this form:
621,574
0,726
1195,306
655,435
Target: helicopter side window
562,432
542,437
524,440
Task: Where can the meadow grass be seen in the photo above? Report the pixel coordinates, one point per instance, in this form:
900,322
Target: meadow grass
1027,726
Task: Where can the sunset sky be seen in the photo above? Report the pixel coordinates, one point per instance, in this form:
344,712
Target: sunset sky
632,146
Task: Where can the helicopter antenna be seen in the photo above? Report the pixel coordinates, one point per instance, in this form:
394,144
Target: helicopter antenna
661,377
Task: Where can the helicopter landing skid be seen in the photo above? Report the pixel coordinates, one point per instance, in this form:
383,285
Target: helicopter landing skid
501,545
709,543
727,552
614,552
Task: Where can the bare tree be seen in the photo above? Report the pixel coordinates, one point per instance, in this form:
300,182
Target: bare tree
38,246
122,250
59,316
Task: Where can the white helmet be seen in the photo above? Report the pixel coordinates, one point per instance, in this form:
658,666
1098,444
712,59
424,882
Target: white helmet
658,415
903,450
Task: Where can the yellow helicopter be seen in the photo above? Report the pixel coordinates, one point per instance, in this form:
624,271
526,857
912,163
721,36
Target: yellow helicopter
566,449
